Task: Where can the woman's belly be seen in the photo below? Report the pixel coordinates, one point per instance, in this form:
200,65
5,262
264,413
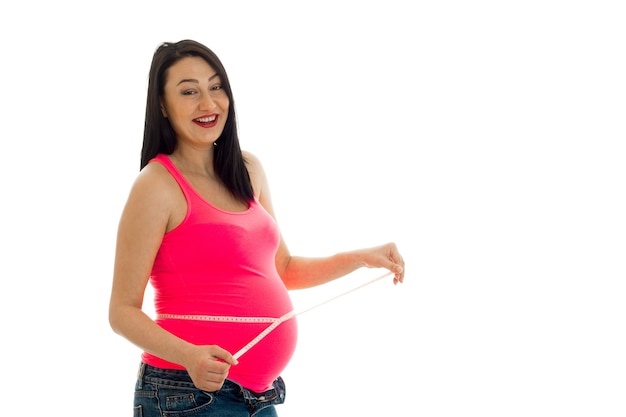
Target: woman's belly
258,367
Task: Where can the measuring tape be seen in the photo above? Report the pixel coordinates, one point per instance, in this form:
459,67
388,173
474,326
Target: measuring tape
275,322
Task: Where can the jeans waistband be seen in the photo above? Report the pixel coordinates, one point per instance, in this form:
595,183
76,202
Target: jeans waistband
181,378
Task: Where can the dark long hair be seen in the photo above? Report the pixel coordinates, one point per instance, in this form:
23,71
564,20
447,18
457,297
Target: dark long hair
159,137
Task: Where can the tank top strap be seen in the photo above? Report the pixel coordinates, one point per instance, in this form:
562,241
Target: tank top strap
174,172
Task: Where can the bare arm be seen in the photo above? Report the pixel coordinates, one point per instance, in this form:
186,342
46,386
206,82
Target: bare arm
148,213
304,272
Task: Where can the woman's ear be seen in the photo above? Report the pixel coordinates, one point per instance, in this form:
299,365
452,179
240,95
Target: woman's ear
163,109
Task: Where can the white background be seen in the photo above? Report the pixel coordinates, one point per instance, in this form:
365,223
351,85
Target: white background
485,138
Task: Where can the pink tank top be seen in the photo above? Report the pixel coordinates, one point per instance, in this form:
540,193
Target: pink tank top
220,263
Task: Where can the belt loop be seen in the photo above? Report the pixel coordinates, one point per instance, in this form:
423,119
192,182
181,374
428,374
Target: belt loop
140,371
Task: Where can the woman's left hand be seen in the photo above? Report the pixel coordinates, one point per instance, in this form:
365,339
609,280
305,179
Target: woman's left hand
385,256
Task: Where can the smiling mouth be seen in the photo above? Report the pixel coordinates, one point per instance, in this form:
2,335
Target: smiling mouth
206,121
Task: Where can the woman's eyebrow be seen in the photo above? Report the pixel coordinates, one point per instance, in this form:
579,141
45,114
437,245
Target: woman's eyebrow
188,80
193,80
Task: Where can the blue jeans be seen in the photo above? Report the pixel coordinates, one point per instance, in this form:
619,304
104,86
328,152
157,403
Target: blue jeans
171,393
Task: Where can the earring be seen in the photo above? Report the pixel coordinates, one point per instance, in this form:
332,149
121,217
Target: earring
215,143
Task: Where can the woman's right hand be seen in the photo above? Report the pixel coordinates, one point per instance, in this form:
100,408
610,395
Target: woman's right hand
208,366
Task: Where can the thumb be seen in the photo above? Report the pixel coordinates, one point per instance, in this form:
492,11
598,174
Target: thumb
224,356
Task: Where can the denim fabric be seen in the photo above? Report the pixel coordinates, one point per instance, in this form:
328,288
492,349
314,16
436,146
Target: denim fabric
171,393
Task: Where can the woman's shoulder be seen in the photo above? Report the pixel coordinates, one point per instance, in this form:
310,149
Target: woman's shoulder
256,172
152,201
250,158
253,164
154,184
154,173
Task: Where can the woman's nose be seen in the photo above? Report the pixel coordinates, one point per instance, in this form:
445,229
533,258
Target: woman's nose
207,102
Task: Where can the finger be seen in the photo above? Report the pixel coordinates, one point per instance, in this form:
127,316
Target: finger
218,367
225,356
212,385
398,261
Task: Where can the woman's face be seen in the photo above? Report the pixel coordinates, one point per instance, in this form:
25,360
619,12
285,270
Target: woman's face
194,102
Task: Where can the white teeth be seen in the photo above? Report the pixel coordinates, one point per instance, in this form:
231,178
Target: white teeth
206,119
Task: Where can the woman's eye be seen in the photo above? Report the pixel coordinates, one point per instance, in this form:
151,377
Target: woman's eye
216,87
188,92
